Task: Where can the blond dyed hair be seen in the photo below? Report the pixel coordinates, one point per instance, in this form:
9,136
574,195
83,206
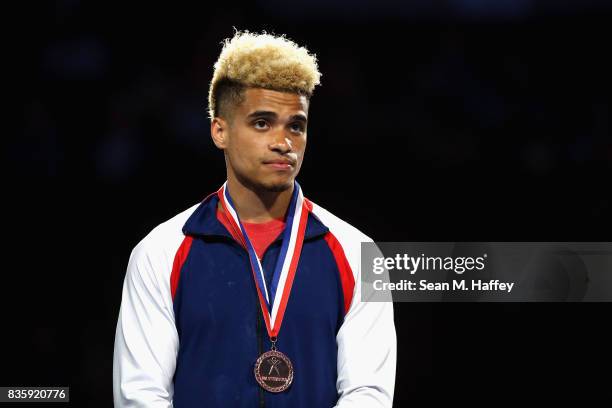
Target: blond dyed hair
264,60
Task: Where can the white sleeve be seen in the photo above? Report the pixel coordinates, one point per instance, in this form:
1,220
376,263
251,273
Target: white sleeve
367,353
146,340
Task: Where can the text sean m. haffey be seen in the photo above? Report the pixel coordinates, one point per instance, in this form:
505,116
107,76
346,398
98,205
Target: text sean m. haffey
457,284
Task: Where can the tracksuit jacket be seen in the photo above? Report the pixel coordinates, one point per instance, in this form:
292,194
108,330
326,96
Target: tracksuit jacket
190,326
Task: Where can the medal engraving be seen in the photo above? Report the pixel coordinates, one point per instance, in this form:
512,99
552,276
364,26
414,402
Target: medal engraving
273,371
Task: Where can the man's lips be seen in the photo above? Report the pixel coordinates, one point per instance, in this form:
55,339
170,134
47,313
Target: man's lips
279,164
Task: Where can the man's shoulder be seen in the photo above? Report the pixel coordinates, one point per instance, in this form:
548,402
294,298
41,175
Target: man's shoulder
341,229
167,236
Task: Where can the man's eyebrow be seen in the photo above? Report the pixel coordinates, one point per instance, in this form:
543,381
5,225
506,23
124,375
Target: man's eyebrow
263,114
298,118
272,115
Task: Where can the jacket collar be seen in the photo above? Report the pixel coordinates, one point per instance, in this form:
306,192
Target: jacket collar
204,222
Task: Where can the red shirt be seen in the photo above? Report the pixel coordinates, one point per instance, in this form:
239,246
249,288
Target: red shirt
261,234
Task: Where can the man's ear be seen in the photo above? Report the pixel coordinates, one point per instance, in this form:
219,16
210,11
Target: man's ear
218,132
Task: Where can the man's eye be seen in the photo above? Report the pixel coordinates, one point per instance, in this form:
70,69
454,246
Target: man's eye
297,127
260,124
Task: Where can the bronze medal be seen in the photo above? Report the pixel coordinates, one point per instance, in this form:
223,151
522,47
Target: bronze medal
274,371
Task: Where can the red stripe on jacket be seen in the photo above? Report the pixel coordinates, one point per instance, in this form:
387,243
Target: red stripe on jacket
346,273
179,260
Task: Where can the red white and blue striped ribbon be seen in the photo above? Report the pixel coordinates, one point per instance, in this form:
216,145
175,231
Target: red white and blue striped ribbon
272,305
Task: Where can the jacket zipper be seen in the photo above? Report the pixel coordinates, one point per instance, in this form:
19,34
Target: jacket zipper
262,402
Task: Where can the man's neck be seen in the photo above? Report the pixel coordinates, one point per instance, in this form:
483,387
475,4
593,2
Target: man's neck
258,206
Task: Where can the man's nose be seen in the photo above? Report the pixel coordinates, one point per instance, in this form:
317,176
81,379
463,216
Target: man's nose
281,142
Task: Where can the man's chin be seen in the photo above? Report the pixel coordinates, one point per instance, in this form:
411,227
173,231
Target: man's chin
277,187
267,184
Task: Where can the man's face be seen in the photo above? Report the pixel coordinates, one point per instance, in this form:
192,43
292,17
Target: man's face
265,139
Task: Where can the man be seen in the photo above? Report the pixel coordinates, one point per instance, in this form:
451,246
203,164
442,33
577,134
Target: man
252,298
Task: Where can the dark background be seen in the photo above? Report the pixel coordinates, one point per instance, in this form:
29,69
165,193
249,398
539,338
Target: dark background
450,120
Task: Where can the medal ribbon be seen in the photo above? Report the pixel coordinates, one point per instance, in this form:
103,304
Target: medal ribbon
273,306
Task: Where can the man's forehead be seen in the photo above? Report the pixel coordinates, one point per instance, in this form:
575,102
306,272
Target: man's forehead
259,99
